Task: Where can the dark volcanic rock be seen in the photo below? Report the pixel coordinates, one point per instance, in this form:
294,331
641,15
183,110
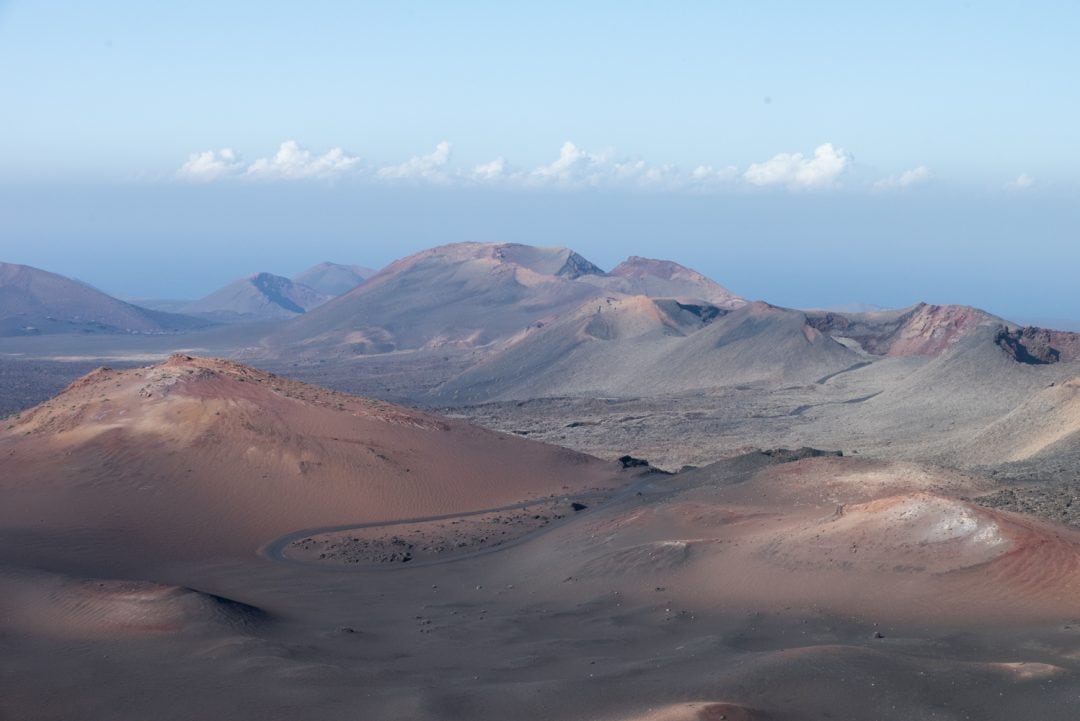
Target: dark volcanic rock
577,266
1037,346
631,462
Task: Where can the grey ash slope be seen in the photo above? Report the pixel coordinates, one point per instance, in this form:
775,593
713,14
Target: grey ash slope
633,345
34,302
333,279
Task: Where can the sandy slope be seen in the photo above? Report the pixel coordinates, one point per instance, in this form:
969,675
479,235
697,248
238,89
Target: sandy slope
57,606
1049,418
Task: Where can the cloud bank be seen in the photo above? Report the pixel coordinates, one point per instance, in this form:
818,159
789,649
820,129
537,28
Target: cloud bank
431,168
211,165
794,171
1021,182
906,179
573,168
292,162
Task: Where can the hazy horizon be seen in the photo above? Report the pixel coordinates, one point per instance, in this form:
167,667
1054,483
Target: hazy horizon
808,156
161,241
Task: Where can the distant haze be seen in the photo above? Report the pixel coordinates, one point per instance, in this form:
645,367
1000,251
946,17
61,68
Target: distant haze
811,154
1014,255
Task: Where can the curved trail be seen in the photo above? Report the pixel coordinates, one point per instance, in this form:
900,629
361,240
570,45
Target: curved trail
825,379
275,549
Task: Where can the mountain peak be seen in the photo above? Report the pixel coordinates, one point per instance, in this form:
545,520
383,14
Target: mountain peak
259,296
333,279
664,278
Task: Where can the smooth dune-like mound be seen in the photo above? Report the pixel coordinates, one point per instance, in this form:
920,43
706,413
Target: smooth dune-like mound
200,457
54,605
917,532
870,538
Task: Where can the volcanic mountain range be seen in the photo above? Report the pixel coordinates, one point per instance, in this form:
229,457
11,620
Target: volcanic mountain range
290,551
509,300
522,322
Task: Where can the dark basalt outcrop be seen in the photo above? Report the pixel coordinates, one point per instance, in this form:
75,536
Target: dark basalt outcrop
577,266
1039,346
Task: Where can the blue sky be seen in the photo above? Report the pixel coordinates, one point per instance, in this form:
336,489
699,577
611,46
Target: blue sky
208,112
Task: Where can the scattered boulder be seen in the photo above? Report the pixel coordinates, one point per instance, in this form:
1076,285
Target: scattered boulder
786,455
631,462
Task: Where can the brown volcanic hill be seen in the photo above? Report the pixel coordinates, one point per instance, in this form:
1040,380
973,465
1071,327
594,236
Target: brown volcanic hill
196,458
929,330
872,539
628,346
333,279
922,329
34,301
666,279
262,296
465,294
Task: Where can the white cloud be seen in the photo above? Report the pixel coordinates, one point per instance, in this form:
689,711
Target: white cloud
906,179
431,168
797,172
293,162
210,165
498,170
290,162
706,176
574,166
579,168
1022,182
